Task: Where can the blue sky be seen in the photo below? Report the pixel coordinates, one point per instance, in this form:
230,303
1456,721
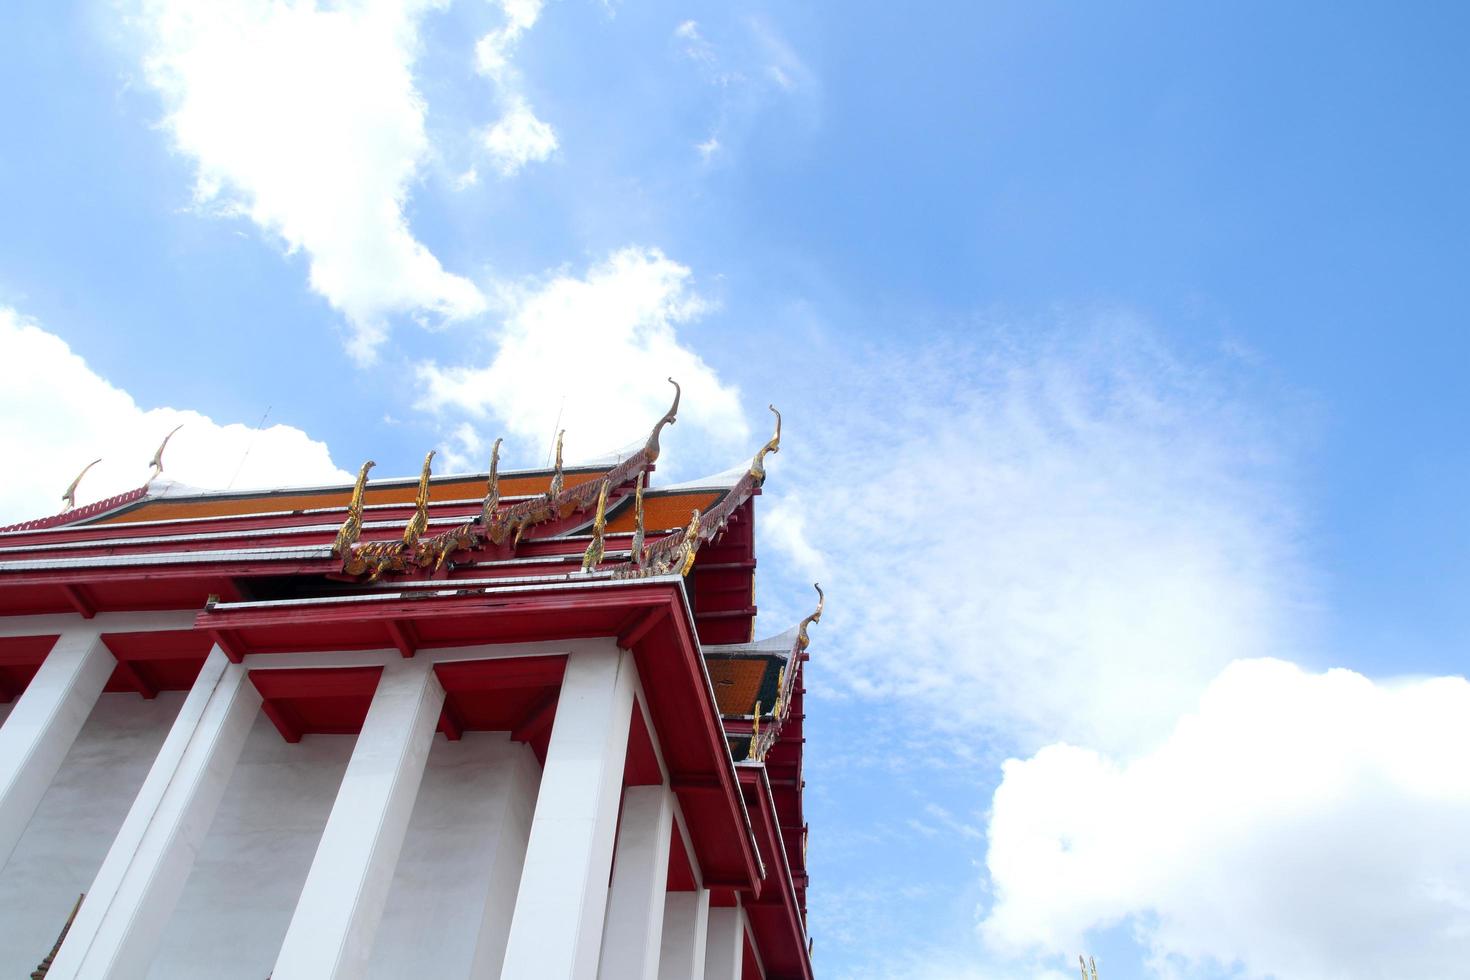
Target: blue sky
1120,349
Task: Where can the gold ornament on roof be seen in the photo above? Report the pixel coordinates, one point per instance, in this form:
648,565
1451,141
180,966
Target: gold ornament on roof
751,754
492,489
419,522
351,528
156,463
691,543
557,479
592,557
816,617
650,448
1084,964
758,465
639,558
69,498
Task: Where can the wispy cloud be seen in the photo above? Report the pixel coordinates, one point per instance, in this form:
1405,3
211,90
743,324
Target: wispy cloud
519,137
306,120
57,414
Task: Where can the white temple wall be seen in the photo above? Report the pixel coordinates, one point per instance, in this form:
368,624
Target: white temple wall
64,843
238,900
474,803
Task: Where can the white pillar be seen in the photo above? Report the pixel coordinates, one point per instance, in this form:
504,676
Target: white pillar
635,903
681,954
556,931
724,951
40,729
331,932
513,831
117,930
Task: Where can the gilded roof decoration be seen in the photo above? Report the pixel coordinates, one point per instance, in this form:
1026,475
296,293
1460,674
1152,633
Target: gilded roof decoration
815,617
351,528
766,729
650,448
489,509
592,557
156,463
758,465
639,559
69,498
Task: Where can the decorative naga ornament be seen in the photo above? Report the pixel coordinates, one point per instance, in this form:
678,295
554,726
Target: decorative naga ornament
639,559
69,498
758,465
650,448
753,754
557,479
1084,964
419,522
156,464
489,510
691,543
816,617
592,557
351,528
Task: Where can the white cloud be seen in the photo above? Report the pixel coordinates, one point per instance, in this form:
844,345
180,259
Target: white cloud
594,352
306,119
1306,826
518,138
1065,540
56,415
708,148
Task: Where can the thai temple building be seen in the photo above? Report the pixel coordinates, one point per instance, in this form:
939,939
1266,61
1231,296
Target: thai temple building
512,724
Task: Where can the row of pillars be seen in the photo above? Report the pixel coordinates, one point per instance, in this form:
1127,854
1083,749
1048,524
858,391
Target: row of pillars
550,911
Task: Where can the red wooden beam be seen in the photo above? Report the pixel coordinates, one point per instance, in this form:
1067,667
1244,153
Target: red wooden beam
79,600
401,632
537,719
642,627
135,677
227,641
282,720
450,723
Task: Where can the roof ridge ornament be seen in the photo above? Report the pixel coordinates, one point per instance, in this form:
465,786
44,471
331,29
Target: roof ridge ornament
650,448
639,559
558,479
753,754
69,498
419,522
351,528
156,463
592,557
816,617
758,465
492,488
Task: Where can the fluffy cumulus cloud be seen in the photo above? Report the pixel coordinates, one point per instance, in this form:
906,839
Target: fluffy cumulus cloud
518,138
592,351
1298,825
57,414
1064,539
306,119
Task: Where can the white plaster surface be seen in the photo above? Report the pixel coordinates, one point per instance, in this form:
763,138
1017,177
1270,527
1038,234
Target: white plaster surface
634,925
724,944
686,916
457,874
334,927
73,826
236,905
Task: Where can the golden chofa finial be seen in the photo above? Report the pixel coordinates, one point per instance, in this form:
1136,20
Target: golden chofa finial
492,488
691,542
419,522
156,463
351,528
69,498
755,734
557,480
758,465
815,617
638,532
592,557
651,447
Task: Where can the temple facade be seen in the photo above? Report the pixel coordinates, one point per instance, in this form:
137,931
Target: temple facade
501,725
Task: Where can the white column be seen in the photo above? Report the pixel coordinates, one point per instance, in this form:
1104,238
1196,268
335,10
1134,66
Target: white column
556,931
331,932
117,930
681,954
724,950
634,925
514,829
40,729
